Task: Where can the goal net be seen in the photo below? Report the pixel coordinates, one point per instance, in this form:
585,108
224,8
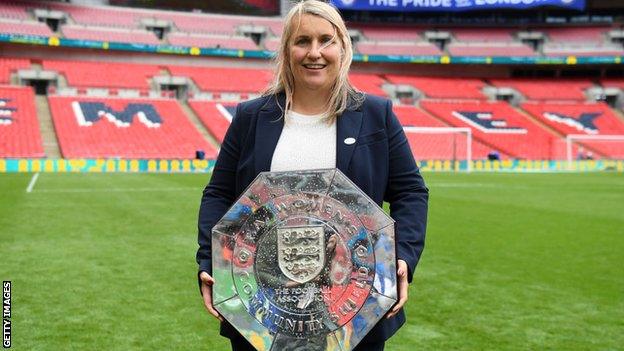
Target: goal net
441,143
584,147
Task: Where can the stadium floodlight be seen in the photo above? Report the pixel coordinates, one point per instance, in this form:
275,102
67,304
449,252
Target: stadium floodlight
466,134
572,138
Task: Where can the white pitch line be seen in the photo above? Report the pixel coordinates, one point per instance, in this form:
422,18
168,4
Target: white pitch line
118,190
31,185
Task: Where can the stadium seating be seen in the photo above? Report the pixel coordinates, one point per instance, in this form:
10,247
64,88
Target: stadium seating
612,83
103,74
24,27
544,89
579,41
398,48
222,79
481,35
575,34
13,10
19,128
272,44
583,119
497,125
97,15
368,83
436,146
490,49
582,49
211,117
10,65
442,88
142,128
386,33
211,41
139,36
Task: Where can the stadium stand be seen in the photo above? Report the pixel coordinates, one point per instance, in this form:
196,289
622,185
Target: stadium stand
225,79
579,41
139,36
584,119
13,10
10,65
212,117
442,88
481,35
103,74
385,33
436,146
213,41
24,27
490,49
497,125
575,34
398,48
272,44
612,83
546,89
19,128
369,83
126,128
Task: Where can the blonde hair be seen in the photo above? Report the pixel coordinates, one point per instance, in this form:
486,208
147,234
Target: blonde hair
343,94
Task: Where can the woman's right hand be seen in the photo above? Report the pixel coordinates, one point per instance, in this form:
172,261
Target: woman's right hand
206,290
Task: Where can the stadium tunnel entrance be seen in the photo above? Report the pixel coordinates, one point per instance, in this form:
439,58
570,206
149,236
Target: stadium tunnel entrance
39,80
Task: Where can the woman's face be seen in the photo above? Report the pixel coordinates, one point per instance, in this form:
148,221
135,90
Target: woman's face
314,55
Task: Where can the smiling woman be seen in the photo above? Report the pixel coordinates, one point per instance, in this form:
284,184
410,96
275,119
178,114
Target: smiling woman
311,117
313,61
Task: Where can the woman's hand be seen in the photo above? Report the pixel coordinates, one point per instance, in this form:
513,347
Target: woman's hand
206,290
401,287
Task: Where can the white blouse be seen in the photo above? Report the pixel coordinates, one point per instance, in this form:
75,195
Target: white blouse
306,142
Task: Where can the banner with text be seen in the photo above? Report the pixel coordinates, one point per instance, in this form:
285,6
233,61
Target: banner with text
452,5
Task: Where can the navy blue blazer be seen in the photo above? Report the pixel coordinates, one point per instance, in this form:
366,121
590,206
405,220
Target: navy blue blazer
380,162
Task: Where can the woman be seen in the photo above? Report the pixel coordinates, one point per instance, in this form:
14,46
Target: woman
312,118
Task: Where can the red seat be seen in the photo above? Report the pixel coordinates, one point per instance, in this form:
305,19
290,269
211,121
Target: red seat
174,138
533,143
19,130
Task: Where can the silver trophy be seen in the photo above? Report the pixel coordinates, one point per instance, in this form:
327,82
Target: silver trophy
304,260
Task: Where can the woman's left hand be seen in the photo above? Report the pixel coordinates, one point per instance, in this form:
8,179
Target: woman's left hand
401,287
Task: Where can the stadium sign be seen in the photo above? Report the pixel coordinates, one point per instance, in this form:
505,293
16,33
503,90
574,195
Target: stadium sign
304,261
452,5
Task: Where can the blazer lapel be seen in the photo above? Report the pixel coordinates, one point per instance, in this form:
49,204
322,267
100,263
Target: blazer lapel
348,126
268,131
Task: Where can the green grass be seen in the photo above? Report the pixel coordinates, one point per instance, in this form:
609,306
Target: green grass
512,262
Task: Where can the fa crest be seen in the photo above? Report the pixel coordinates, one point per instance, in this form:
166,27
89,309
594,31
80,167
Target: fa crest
301,252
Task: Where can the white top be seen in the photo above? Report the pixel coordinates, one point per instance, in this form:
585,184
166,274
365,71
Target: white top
306,142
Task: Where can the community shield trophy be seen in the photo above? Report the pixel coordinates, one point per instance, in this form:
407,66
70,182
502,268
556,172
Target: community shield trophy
304,260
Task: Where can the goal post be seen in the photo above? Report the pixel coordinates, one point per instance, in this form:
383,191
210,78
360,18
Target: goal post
573,139
446,140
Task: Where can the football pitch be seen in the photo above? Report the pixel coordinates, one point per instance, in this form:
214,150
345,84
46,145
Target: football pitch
512,262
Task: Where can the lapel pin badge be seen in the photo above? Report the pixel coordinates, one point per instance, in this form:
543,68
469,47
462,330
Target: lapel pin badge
349,141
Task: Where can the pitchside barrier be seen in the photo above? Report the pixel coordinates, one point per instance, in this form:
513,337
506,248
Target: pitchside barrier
206,166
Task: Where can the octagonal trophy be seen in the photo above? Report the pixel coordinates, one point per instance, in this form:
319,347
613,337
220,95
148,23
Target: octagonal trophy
304,260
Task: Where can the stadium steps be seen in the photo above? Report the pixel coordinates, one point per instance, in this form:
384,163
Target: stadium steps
198,124
538,122
618,113
551,129
48,135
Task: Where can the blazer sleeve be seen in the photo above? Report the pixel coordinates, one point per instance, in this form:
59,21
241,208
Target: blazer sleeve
407,194
219,194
